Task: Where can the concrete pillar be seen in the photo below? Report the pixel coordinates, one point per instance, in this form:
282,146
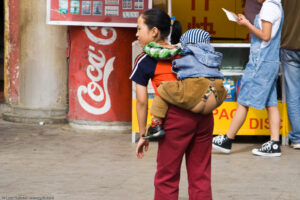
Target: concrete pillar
42,68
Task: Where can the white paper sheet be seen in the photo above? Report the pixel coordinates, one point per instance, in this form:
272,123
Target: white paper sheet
230,15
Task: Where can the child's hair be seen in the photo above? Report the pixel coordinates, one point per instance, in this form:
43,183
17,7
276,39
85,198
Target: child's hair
161,20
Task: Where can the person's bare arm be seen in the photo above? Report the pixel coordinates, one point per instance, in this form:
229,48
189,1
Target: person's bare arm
142,112
264,34
141,107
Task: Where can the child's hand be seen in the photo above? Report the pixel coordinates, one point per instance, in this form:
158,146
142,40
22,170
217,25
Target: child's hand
242,20
140,147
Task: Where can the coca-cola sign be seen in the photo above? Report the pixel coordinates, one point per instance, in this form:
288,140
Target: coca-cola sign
103,69
100,64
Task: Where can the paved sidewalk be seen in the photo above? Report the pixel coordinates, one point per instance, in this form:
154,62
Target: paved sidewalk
58,162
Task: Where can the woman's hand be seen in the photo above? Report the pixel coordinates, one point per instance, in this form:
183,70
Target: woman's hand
141,146
242,20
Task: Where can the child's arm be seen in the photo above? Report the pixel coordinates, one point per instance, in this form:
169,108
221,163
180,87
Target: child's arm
264,34
142,111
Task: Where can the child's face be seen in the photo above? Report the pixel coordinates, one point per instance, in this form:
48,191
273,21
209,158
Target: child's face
143,34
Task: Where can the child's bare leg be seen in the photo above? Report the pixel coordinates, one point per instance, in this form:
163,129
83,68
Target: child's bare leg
206,107
223,143
237,121
156,118
274,119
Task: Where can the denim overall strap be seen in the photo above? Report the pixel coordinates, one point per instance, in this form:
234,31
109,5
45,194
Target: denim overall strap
271,52
255,41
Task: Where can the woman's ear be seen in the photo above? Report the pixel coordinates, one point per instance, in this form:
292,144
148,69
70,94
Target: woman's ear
155,33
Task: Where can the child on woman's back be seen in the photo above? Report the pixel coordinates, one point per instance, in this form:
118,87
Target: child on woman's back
200,87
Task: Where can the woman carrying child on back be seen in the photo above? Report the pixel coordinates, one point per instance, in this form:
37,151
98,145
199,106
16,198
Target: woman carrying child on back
186,133
200,87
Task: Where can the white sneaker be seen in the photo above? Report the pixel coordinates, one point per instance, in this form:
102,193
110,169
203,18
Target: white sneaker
222,143
296,145
269,149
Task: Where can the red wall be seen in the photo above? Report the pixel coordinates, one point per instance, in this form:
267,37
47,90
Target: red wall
13,60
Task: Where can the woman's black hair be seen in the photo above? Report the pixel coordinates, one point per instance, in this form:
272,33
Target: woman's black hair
176,32
161,20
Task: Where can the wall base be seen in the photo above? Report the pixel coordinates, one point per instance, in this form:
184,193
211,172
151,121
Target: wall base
32,116
97,125
4,107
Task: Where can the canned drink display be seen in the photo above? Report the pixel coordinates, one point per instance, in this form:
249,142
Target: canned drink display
230,87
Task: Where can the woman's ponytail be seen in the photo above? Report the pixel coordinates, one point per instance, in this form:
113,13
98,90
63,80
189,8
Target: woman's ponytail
176,32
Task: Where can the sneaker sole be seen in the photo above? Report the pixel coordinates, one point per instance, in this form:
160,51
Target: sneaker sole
295,146
221,149
155,135
258,153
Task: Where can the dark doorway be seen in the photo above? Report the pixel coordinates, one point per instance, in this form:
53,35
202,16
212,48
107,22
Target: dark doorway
1,51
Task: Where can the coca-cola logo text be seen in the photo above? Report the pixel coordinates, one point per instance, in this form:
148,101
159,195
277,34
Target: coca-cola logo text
98,70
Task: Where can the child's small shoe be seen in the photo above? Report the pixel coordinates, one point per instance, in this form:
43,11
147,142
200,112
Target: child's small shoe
155,130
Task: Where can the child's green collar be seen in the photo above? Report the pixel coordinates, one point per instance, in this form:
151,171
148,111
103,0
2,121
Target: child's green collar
157,51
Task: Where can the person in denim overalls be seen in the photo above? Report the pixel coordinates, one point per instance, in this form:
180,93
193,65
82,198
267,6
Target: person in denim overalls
258,86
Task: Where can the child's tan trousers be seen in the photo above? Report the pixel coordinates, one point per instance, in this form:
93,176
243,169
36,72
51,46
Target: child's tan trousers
186,94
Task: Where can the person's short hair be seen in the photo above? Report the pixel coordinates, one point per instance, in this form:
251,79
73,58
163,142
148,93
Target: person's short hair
194,36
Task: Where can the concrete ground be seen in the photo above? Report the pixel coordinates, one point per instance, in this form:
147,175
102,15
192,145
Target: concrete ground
58,162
